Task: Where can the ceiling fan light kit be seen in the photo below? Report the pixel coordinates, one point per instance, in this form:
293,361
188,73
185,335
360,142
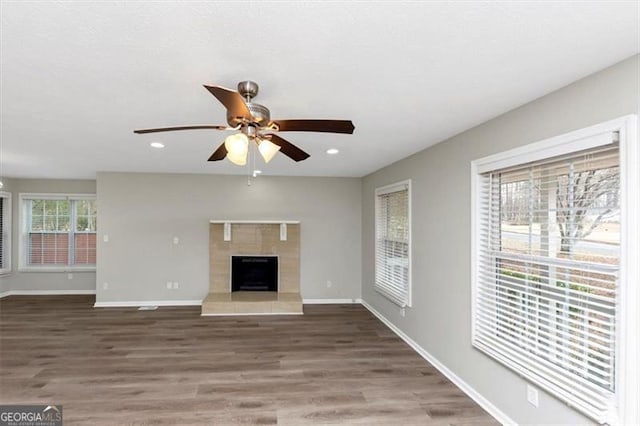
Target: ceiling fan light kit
254,123
267,149
237,146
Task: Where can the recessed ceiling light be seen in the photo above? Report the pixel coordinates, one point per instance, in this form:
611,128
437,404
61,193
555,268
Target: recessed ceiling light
157,145
332,151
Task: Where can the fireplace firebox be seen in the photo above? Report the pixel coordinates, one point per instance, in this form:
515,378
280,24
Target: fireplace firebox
254,273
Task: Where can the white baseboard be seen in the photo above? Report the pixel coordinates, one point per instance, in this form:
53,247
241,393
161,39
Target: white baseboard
137,304
46,293
330,301
239,314
498,414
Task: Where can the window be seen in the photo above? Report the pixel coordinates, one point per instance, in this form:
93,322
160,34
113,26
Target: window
59,231
548,275
393,242
5,232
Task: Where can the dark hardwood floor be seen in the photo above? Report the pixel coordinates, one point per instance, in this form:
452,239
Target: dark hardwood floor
337,364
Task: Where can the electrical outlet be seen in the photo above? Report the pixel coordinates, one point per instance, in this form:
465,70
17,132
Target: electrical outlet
70,276
329,284
105,286
169,285
176,240
532,395
176,285
105,238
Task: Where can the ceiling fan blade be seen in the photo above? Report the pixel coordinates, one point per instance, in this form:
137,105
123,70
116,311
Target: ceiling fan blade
329,126
232,101
287,148
171,129
219,153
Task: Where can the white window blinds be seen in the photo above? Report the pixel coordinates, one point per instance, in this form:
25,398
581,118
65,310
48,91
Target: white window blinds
393,248
60,230
3,233
546,289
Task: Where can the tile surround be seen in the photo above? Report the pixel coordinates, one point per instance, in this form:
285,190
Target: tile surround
253,239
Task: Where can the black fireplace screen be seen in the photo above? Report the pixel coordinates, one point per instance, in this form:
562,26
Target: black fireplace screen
254,273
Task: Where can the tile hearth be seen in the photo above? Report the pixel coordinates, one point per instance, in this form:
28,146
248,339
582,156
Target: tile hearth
252,303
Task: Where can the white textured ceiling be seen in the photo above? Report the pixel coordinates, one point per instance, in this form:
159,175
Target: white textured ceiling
78,77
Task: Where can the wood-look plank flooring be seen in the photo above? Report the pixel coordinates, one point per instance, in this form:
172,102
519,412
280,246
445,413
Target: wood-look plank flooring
337,364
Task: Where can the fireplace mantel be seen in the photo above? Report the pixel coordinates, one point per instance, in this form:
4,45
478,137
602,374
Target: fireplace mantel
258,222
227,226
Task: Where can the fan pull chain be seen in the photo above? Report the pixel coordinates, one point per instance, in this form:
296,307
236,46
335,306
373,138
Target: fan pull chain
251,162
249,168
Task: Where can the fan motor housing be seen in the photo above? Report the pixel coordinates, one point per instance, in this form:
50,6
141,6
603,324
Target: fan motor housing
259,113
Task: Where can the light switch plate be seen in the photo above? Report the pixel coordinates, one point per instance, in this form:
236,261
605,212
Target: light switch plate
532,395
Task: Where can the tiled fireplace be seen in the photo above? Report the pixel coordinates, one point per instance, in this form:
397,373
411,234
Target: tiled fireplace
254,268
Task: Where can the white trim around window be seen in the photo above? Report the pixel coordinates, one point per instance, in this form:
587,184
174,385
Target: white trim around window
619,406
393,242
5,265
23,266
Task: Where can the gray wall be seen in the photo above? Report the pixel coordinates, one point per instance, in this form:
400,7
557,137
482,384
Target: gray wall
141,213
43,281
439,320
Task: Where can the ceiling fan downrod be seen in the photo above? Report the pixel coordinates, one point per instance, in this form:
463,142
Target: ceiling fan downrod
248,89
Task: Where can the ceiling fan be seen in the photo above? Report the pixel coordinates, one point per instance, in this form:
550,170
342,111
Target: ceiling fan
253,122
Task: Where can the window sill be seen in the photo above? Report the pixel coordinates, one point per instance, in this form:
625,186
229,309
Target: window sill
56,269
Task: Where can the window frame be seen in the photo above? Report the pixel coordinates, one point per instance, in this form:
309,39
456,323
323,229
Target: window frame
383,190
23,266
7,224
627,324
